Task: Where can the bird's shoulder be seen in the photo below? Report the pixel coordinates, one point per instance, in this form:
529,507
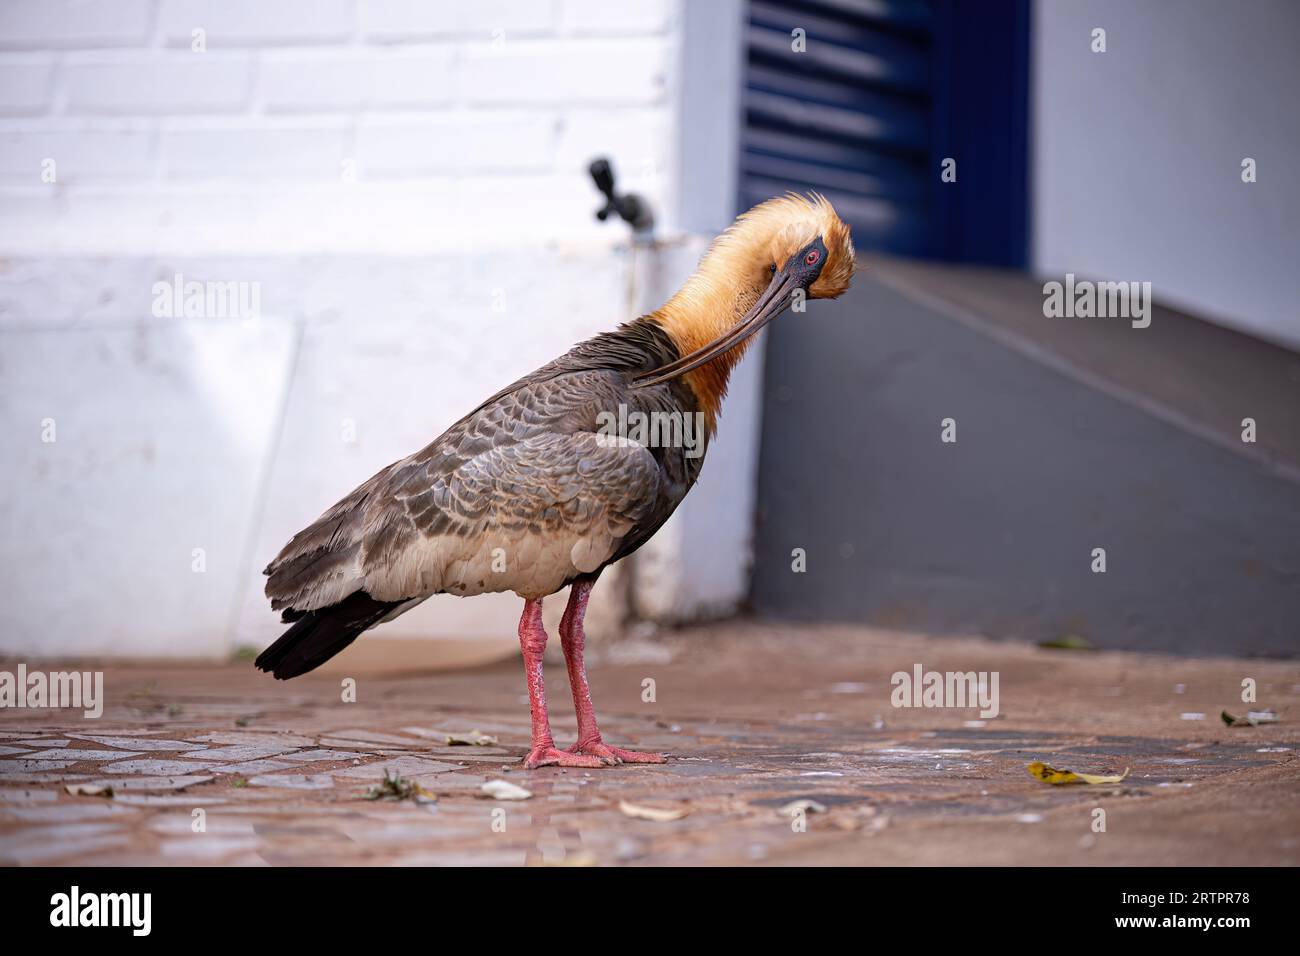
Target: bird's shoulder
549,413
565,396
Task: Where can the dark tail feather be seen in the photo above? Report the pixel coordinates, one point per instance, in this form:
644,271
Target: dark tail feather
318,635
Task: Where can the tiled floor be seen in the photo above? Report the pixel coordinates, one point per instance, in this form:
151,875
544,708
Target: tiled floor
224,765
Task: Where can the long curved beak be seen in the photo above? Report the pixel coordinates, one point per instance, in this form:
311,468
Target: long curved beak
776,298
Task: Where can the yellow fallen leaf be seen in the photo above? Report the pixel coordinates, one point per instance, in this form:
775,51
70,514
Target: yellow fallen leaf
651,813
1057,777
1069,642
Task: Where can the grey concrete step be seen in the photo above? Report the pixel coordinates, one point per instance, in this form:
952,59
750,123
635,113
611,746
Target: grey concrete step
1072,435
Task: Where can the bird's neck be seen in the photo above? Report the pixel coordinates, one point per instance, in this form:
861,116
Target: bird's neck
711,303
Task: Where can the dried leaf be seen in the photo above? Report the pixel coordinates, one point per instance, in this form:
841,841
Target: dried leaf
89,789
1057,777
504,790
1069,642
471,739
1252,719
397,787
657,814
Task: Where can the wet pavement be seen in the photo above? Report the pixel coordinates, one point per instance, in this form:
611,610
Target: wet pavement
785,749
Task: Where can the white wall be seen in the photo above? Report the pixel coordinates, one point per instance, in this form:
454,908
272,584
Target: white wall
1137,152
404,184
310,125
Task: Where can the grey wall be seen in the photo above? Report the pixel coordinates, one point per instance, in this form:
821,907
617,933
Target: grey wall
1137,152
993,534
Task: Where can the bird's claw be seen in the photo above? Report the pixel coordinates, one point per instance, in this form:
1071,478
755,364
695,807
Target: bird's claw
610,756
551,756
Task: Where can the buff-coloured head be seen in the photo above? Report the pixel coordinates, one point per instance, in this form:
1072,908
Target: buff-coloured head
771,258
812,238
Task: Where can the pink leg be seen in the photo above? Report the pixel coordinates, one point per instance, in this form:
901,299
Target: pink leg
573,640
532,640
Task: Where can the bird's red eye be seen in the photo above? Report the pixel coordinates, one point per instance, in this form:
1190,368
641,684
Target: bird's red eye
812,257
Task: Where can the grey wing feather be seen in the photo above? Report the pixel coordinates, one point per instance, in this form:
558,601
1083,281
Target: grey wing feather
523,473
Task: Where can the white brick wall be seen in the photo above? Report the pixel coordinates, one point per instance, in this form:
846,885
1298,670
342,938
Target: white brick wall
81,154
256,22
131,84
340,80
326,125
400,20
26,85
60,24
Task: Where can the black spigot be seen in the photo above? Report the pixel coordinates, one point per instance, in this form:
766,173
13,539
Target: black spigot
630,207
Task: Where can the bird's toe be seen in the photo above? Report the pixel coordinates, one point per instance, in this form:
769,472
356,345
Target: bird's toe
554,757
616,755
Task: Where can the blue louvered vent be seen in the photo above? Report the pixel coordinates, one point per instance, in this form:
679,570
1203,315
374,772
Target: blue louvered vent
850,117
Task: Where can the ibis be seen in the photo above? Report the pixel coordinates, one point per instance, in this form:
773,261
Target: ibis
529,493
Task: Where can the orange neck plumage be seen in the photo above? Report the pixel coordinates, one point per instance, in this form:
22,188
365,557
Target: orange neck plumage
731,277
699,313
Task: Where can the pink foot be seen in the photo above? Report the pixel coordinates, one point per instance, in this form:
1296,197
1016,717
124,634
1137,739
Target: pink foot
613,755
552,756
